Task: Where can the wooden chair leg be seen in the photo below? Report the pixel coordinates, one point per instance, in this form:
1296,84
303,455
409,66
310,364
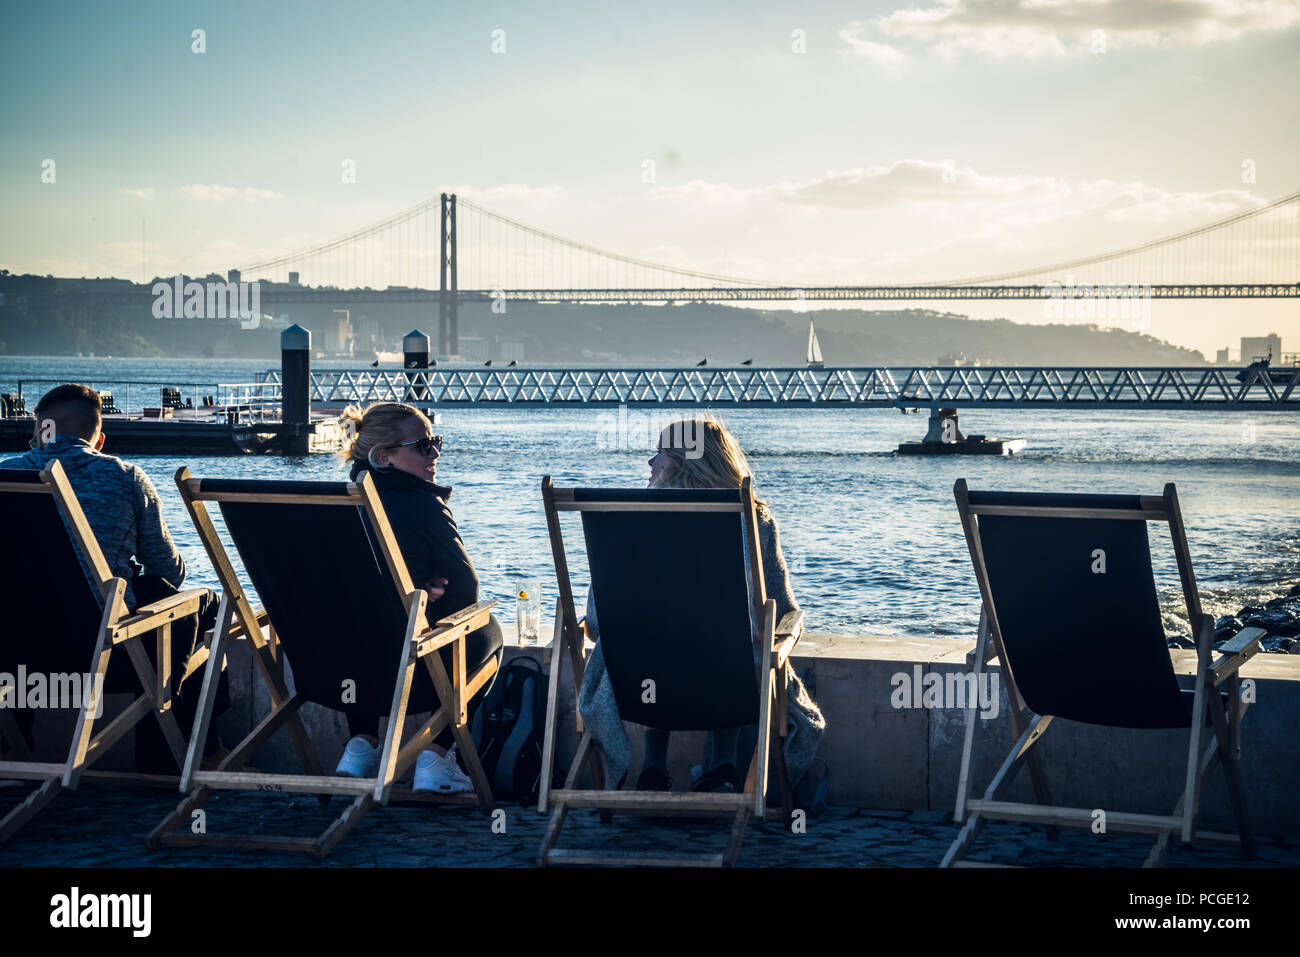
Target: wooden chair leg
460,732
737,837
964,840
341,825
1018,756
552,835
1229,758
782,777
208,690
1160,849
171,730
183,813
30,805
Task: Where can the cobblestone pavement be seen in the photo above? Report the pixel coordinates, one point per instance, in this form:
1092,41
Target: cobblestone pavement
106,827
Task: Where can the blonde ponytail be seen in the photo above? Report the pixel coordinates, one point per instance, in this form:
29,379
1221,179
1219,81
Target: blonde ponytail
380,425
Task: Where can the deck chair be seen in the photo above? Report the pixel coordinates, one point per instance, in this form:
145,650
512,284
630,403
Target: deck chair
339,605
676,599
60,631
1070,575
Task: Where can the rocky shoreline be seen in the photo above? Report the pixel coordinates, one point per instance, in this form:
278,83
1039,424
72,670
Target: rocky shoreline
1280,617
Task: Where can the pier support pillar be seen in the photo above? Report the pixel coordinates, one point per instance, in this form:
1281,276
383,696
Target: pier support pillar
295,379
415,355
943,427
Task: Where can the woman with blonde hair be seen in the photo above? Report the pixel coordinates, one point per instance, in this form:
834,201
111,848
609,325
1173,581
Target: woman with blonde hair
702,453
394,444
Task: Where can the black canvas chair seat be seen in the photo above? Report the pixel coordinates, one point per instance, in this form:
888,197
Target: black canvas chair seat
321,576
1071,612
42,581
674,608
51,567
678,584
339,606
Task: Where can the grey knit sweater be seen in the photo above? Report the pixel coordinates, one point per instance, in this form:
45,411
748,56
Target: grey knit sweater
805,724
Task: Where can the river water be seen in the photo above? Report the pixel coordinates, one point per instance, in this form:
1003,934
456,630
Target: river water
872,538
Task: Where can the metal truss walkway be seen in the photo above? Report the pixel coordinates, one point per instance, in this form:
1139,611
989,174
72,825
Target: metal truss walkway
1197,387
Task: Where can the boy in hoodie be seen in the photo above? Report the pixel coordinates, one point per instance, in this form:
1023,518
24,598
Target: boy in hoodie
125,515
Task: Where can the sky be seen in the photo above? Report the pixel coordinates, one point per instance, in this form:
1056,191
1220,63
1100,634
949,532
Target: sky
796,142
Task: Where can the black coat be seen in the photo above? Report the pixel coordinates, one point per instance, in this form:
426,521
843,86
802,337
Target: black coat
426,535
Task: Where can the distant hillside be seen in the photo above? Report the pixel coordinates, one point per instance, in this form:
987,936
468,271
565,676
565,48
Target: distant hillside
39,316
728,335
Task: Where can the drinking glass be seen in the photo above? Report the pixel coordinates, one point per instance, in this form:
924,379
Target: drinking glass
528,609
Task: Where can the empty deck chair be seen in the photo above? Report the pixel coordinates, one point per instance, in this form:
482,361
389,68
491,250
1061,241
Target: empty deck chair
1070,611
58,630
339,605
676,598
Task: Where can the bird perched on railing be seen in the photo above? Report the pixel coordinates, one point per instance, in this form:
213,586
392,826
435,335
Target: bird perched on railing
702,362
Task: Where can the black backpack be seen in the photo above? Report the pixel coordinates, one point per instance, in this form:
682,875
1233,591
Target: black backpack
508,730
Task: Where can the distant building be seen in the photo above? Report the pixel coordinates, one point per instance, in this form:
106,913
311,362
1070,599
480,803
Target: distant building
232,276
338,333
1222,358
293,279
1269,345
474,347
512,351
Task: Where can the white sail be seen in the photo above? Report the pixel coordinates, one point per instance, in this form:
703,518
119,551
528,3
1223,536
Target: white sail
814,349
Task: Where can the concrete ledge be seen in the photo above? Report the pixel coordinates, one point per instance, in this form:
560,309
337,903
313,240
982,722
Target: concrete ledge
908,758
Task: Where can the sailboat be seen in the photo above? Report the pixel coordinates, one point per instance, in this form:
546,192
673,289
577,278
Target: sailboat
814,349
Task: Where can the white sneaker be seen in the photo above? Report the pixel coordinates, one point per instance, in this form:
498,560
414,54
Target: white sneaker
359,760
433,772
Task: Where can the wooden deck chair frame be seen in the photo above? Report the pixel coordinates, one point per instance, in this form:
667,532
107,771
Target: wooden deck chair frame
118,628
778,642
237,618
1027,728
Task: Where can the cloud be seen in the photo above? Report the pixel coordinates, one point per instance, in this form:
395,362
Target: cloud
911,181
918,218
1056,28
220,194
145,193
881,53
942,190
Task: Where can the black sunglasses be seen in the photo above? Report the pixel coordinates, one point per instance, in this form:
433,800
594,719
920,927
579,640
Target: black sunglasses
423,446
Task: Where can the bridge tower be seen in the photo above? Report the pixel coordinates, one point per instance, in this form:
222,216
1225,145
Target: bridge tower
448,326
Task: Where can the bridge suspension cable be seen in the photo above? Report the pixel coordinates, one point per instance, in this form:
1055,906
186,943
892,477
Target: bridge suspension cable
1246,251
1071,265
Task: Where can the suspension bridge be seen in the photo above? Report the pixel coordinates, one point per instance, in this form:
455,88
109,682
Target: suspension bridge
452,252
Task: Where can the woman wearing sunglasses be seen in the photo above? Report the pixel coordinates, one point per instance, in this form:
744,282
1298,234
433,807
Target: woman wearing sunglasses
395,444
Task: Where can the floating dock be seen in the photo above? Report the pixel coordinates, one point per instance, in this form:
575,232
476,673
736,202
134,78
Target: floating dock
945,438
188,432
